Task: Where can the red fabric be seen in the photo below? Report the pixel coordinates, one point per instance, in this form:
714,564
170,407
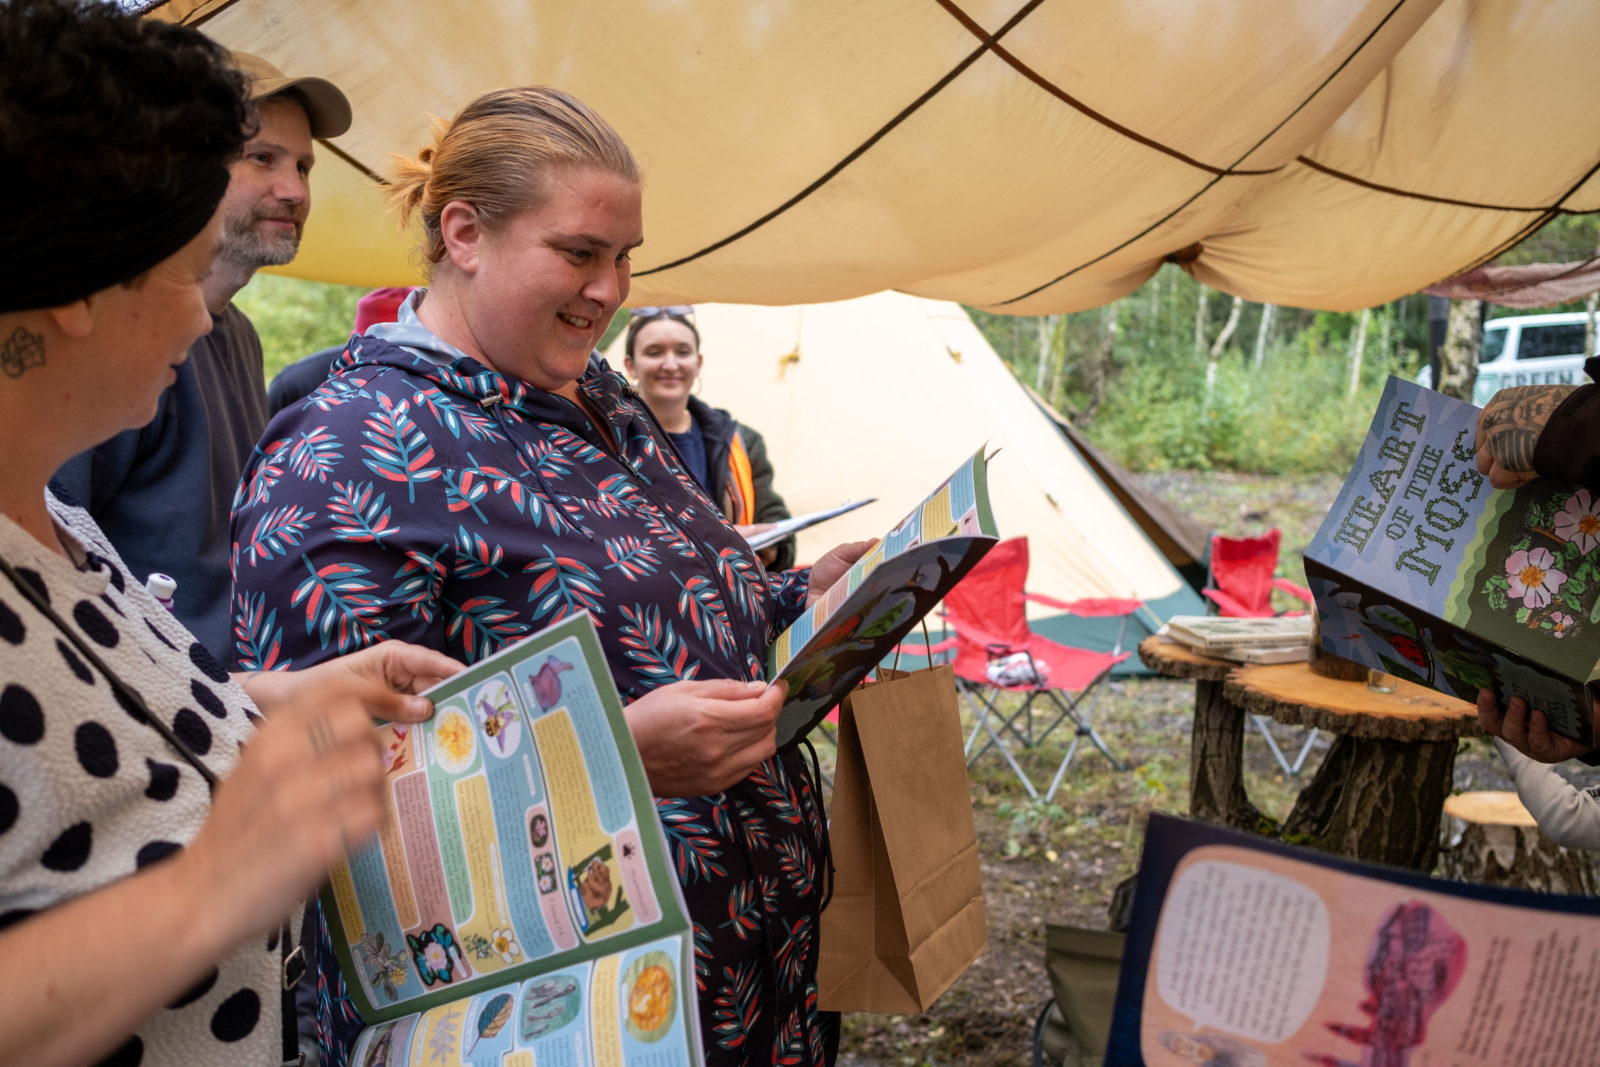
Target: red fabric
1530,285
1241,574
380,305
1089,607
986,610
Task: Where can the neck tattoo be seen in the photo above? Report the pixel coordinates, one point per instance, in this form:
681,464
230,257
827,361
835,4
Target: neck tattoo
20,351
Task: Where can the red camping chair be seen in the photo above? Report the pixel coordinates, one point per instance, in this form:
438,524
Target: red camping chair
1240,586
986,609
1241,582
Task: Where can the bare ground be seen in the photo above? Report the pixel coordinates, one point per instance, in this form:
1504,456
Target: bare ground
1060,862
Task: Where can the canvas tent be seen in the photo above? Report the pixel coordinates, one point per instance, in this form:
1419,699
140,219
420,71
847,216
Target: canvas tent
882,396
1183,541
1026,156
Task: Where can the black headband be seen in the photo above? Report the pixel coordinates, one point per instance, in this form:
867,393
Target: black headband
47,262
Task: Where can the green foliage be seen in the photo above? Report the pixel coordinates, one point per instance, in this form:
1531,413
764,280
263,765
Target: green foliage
1291,417
295,318
1147,405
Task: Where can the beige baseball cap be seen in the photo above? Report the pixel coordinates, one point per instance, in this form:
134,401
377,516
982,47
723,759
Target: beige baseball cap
326,106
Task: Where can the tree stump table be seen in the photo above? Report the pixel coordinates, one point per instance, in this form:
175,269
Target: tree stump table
1502,845
1380,791
1216,747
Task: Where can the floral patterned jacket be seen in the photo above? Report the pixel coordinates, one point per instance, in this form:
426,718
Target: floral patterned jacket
419,495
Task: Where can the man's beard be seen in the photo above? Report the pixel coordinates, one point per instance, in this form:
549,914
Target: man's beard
245,245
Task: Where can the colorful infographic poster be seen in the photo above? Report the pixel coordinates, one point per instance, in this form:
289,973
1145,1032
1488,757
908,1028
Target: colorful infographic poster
513,894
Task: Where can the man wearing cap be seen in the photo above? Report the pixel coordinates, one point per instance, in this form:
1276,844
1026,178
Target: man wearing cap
163,493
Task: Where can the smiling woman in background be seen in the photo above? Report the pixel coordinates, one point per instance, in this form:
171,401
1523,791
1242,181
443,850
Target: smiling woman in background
727,458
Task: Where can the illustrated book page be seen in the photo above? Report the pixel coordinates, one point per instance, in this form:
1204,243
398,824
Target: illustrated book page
1423,570
521,897
839,639
1251,953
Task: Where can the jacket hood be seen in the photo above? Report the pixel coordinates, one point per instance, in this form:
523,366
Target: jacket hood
409,346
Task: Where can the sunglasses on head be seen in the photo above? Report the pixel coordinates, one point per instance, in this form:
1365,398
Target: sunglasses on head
677,311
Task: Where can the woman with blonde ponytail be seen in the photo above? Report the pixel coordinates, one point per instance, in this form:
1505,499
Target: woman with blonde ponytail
480,473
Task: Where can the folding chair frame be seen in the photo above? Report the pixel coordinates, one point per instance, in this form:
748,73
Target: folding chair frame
1066,708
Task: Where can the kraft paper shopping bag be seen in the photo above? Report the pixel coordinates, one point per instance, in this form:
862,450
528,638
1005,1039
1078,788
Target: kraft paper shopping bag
906,918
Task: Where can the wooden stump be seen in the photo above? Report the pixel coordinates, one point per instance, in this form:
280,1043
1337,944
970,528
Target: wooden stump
1385,806
1216,745
1216,764
1380,789
1502,845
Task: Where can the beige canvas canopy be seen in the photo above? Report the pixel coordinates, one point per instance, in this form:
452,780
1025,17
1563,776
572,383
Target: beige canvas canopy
1026,156
883,396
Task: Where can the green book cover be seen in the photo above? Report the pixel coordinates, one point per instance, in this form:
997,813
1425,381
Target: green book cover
1423,570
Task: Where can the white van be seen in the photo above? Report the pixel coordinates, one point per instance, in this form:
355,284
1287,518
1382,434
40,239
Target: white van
1527,350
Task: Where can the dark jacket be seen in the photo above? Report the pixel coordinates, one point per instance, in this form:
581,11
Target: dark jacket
296,381
439,502
1569,446
161,493
719,430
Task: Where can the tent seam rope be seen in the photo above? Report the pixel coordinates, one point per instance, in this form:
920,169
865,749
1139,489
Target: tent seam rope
856,153
1527,231
1066,98
1432,198
1207,187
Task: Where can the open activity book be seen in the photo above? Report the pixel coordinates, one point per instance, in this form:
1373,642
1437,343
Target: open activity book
840,638
1422,570
1247,952
520,908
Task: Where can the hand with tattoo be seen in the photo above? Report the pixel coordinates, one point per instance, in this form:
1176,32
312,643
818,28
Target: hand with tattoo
1509,428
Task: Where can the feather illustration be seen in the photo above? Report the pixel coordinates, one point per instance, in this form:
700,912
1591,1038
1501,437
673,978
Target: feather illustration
491,1020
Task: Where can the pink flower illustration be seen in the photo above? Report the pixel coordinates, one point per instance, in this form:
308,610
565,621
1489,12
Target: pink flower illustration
1579,521
1560,620
1533,578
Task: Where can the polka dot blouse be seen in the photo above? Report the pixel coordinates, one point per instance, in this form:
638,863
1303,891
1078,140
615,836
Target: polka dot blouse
90,794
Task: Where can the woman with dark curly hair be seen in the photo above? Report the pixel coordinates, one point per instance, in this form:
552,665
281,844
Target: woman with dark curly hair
150,860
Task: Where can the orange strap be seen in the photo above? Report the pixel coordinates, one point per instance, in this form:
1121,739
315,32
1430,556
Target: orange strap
739,497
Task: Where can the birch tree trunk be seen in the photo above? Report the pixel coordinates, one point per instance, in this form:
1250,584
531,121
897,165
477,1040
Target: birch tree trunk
1385,332
1043,323
1356,352
1058,360
1458,357
1261,334
1200,323
1215,354
1592,306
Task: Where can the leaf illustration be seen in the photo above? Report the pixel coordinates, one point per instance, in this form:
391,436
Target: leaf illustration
339,605
397,449
276,532
360,515
257,636
314,454
491,1020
